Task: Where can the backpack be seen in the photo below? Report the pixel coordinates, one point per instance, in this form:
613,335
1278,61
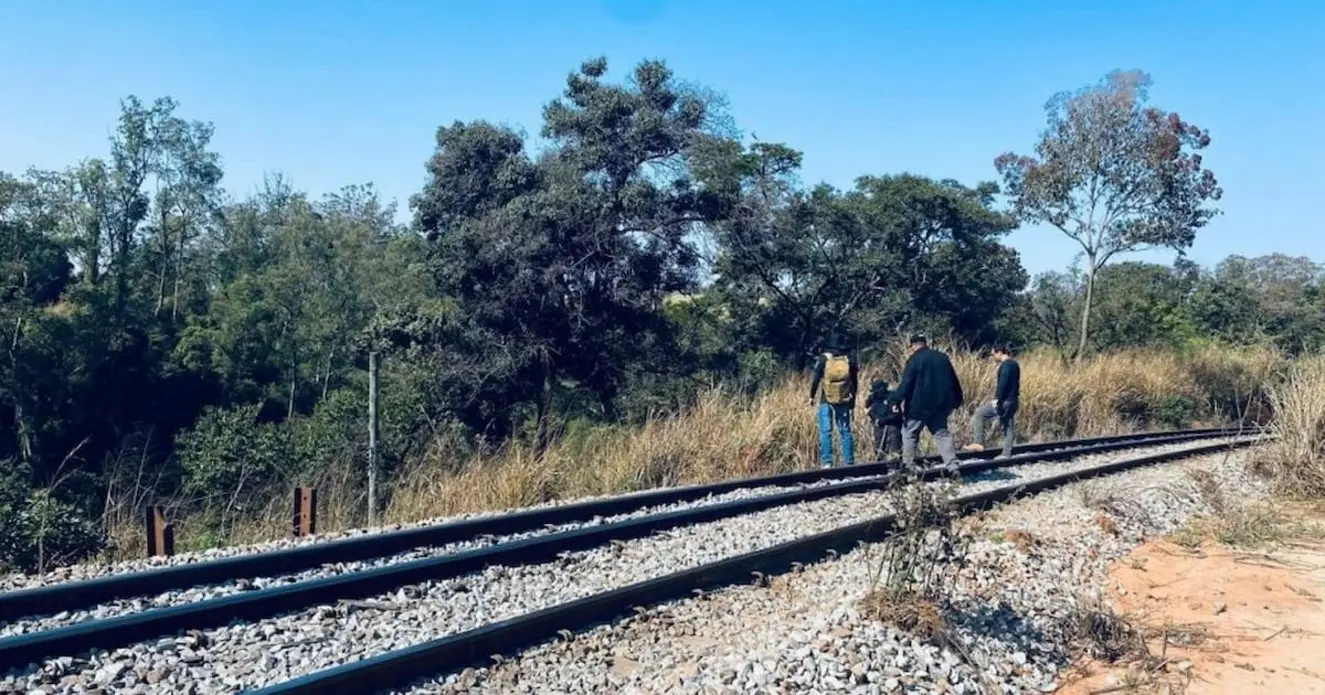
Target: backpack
837,380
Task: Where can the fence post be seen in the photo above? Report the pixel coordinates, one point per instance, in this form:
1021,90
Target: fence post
305,511
372,438
160,535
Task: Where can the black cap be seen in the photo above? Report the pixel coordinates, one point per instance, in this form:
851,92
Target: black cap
919,339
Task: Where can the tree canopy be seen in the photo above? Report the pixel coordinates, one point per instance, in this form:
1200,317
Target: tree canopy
1114,175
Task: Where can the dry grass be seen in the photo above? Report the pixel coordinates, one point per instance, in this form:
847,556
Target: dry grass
1296,459
726,436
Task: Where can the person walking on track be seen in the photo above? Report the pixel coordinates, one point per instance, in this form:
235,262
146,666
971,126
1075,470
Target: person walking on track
833,391
1007,396
927,395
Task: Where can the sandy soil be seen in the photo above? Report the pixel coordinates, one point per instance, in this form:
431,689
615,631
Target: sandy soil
1219,621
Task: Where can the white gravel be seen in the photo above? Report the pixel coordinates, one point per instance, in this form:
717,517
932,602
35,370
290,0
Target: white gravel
193,594
805,632
252,655
16,581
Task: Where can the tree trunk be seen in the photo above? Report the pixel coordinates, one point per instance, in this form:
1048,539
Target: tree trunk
164,268
92,256
543,434
1085,310
179,274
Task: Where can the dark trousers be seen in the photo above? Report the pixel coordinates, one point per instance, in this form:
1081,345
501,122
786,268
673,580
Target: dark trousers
938,427
887,441
1007,421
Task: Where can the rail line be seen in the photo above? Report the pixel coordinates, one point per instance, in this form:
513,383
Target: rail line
400,668
108,634
77,595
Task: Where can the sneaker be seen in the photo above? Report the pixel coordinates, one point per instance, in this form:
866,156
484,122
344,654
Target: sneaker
973,447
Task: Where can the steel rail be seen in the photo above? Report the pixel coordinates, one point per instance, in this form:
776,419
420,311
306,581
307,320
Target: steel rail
78,595
400,668
21,650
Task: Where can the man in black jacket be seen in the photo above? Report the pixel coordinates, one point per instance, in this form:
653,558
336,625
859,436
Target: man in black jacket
928,394
1007,397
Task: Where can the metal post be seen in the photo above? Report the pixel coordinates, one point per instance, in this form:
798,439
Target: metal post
304,521
372,438
160,535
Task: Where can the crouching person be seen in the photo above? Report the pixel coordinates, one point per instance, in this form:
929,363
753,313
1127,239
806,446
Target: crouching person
887,422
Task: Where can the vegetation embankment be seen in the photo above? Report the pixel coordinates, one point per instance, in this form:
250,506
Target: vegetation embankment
728,434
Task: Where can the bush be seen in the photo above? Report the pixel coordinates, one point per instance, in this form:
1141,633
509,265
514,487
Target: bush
38,530
230,462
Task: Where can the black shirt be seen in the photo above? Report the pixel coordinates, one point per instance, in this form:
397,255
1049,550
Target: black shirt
1009,381
929,387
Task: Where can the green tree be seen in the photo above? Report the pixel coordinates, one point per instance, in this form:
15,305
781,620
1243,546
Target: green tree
1113,175
559,264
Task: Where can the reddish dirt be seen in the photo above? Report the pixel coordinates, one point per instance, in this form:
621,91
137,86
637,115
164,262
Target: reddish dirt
1237,622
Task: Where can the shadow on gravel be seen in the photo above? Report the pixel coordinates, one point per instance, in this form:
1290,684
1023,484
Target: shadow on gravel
996,474
1014,634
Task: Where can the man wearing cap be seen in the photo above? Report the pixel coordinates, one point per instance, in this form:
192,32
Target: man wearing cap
928,394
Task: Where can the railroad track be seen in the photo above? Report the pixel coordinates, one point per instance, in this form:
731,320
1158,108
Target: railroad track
822,488
77,595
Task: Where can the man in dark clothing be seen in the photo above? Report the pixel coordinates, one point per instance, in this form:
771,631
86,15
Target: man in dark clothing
928,394
833,391
887,424
1007,397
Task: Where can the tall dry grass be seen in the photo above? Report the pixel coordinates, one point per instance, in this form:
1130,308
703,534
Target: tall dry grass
1295,461
726,435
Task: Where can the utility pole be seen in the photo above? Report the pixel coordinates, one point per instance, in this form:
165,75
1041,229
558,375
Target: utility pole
372,438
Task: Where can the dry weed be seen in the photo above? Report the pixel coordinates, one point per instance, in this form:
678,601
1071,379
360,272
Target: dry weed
1295,460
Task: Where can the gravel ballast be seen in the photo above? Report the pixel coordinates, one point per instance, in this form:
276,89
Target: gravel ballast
252,655
806,632
17,581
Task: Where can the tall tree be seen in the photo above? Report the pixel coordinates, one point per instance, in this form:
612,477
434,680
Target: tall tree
560,265
1114,175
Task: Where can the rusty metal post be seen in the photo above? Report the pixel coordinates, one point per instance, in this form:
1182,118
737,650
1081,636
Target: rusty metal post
160,535
305,511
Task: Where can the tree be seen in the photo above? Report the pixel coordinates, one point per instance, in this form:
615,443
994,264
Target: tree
559,265
895,250
1114,175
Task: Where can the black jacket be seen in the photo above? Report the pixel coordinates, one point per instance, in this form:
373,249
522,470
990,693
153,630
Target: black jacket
852,379
881,412
1008,390
929,387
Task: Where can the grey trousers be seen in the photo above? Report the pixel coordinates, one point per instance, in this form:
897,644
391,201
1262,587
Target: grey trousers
938,427
1007,422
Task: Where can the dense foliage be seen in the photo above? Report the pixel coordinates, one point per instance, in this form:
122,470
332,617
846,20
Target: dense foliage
164,340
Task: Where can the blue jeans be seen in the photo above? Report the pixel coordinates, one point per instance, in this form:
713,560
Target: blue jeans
841,414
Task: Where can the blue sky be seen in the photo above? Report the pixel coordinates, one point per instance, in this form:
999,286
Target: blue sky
339,92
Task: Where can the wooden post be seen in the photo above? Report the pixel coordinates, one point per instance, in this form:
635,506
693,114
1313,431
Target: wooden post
305,511
160,535
372,438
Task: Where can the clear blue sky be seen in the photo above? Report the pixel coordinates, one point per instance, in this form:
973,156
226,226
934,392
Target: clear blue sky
338,92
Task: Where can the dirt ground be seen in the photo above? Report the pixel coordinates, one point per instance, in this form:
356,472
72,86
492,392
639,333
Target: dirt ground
1219,620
